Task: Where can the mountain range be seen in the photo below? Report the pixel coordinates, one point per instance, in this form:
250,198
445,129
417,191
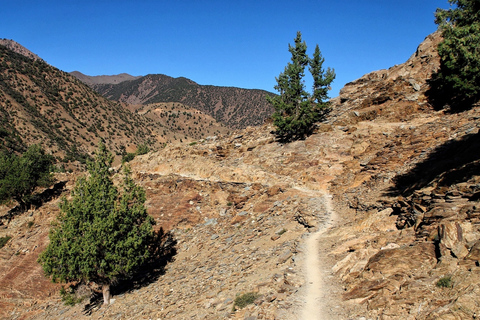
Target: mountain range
235,107
42,104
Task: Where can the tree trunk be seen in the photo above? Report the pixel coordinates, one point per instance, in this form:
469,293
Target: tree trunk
106,293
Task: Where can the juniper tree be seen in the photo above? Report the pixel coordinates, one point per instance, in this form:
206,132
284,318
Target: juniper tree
458,80
20,175
296,110
101,234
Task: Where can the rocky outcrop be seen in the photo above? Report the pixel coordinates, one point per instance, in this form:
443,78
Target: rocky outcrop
409,248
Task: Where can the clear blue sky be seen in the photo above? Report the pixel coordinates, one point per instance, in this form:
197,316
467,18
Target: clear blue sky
226,43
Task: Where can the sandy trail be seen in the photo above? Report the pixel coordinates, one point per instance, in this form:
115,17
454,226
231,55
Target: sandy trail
316,299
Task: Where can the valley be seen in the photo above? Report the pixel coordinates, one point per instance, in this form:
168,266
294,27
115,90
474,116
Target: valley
361,220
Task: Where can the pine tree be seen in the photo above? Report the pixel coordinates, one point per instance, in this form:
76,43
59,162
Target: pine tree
458,81
101,234
296,110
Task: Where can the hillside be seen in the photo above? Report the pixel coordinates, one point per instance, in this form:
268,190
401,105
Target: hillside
41,104
234,107
180,122
18,48
385,192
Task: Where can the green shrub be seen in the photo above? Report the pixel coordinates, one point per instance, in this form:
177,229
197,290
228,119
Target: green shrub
445,282
68,297
128,157
4,240
142,149
241,301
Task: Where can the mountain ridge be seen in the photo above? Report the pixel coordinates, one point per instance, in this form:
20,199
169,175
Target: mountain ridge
230,105
103,79
18,48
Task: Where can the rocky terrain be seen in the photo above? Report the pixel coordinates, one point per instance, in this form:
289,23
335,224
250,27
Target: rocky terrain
374,216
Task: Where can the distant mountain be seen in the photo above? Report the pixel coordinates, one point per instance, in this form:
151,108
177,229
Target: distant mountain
235,107
95,80
42,104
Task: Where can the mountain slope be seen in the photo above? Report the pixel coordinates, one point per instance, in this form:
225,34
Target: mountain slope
41,104
48,106
235,107
18,48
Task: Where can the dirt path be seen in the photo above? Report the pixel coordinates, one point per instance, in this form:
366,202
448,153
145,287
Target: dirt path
319,300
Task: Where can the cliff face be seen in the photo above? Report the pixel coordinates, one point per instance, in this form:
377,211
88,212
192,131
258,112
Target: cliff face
392,183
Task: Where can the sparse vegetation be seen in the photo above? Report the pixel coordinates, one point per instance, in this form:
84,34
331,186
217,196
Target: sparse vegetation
4,240
445,282
68,297
243,300
41,104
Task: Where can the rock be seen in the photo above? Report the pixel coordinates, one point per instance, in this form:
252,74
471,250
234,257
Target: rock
419,258
474,253
451,235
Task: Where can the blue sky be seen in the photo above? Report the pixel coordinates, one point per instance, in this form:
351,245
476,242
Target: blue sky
226,43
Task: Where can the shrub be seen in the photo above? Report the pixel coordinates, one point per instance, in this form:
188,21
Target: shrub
128,157
445,282
142,149
4,240
68,297
20,175
241,301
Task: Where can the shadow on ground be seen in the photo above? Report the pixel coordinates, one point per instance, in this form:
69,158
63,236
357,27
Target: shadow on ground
163,248
453,162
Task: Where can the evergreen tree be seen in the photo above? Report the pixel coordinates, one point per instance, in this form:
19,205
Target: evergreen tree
20,175
458,80
101,235
296,110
